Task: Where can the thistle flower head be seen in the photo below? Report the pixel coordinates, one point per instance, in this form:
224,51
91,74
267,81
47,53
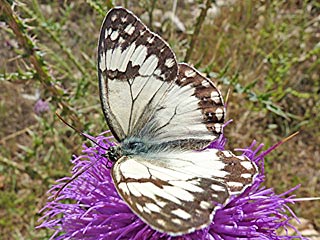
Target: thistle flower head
90,207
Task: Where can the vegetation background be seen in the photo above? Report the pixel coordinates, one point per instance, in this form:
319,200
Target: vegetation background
266,52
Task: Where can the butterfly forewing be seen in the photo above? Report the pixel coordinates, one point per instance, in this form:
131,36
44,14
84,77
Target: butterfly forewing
190,116
209,98
135,68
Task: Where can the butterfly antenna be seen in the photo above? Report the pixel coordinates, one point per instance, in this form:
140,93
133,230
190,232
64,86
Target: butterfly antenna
86,168
78,131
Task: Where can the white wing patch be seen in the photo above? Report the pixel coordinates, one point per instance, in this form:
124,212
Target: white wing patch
129,29
178,117
181,213
144,100
116,89
126,56
114,35
170,62
139,55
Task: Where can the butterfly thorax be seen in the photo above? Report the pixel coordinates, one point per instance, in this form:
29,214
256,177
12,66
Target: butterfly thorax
128,147
134,145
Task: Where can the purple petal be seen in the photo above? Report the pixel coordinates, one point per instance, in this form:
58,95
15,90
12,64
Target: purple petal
90,208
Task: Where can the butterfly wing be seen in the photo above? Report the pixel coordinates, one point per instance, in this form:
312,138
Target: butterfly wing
147,97
177,192
135,69
191,115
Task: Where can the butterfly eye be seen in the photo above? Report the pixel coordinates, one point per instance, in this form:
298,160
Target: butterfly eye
114,154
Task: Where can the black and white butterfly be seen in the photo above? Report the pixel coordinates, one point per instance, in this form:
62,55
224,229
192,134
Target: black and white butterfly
163,113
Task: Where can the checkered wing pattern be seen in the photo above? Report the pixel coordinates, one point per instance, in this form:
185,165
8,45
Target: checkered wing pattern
162,113
177,192
135,68
144,92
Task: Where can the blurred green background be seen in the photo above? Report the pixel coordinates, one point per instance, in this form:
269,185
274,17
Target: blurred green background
266,52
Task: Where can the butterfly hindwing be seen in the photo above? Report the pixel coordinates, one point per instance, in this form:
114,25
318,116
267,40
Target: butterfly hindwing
135,68
177,192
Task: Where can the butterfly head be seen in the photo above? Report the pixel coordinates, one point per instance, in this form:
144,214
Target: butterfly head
129,146
114,153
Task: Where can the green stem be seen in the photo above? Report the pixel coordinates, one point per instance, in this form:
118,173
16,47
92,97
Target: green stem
197,29
32,53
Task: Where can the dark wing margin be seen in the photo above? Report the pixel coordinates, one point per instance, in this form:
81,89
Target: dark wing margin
208,95
135,67
241,171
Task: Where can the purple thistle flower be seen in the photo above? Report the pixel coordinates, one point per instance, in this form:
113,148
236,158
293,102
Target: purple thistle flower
90,207
41,107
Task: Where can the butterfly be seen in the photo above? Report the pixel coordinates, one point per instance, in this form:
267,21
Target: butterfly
164,114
